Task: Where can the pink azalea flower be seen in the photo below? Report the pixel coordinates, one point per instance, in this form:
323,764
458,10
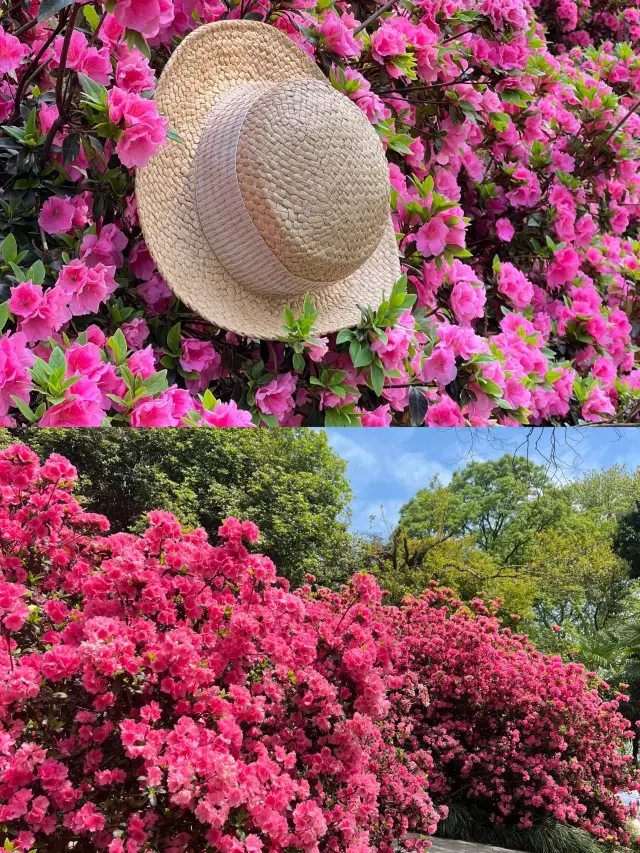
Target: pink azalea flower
597,405
276,398
440,366
227,415
73,412
337,35
504,230
15,358
379,417
431,238
56,215
167,410
515,286
12,52
156,295
41,313
197,355
564,268
444,413
468,301
136,332
143,362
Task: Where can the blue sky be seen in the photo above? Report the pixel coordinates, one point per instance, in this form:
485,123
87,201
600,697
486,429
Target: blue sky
387,467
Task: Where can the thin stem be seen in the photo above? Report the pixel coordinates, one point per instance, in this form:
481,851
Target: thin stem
59,123
25,27
32,69
594,151
374,17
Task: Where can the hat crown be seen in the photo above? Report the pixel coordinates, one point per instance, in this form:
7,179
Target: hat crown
314,179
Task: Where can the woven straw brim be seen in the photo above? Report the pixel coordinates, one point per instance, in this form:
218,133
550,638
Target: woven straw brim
209,62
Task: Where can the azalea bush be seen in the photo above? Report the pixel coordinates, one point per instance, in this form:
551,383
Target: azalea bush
164,693
516,736
511,134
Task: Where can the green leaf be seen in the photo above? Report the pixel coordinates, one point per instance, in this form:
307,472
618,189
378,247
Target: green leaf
17,271
36,273
173,338
57,360
9,249
25,411
377,379
209,402
289,319
92,17
48,8
364,357
4,314
269,420
418,405
136,39
344,335
128,378
118,345
173,136
490,387
155,384
482,358
30,127
298,363
308,308
95,92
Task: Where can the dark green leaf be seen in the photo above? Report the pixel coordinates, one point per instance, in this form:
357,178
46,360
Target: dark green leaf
377,379
418,405
9,249
36,273
344,335
48,8
173,338
4,314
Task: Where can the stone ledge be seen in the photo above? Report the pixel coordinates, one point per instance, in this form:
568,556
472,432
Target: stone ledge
443,845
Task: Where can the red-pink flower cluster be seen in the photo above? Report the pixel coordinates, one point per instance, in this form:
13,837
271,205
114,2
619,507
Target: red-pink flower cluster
517,733
513,156
161,692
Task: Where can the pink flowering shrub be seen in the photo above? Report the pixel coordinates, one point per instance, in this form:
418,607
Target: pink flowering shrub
513,156
514,732
163,693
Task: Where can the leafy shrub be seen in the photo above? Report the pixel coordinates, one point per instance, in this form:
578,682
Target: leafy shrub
517,736
163,693
514,166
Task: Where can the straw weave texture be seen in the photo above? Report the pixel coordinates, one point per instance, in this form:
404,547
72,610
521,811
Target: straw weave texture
317,192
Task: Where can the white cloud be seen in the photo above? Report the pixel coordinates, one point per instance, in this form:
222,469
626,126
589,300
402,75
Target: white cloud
386,514
352,452
415,470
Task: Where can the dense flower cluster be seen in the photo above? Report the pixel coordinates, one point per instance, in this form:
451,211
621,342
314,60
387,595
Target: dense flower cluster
163,693
515,732
514,164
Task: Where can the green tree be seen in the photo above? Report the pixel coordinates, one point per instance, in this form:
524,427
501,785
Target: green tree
557,555
626,542
289,482
502,503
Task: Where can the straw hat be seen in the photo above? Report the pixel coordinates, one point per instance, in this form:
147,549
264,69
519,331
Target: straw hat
279,188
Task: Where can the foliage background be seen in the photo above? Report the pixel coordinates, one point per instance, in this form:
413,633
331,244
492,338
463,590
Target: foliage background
288,482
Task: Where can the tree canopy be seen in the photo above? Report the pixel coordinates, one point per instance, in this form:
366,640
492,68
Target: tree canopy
289,482
557,554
